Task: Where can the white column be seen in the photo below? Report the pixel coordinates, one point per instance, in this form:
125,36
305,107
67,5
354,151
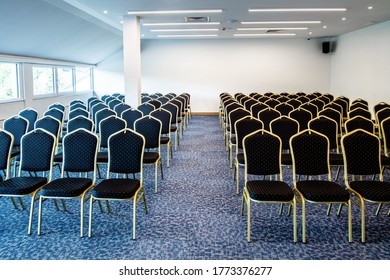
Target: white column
132,59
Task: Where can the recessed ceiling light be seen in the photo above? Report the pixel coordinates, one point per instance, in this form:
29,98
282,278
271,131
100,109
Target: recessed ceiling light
325,27
370,7
184,30
310,33
121,22
282,22
180,23
174,12
105,12
300,10
186,35
343,19
270,28
264,34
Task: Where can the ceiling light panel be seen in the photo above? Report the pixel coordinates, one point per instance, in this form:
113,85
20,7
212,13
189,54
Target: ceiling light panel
270,28
167,12
282,22
180,23
264,34
187,35
184,30
300,10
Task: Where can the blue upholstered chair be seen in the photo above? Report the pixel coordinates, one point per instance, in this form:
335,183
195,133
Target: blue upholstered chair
150,128
165,118
80,149
101,115
262,153
78,112
146,108
125,150
31,115
130,116
37,152
120,108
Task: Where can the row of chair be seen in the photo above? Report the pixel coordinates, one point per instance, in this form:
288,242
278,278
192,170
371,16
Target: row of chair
241,123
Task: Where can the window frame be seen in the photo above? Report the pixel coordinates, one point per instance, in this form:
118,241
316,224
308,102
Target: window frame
19,79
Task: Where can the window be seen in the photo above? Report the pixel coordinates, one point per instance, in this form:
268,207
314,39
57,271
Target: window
8,81
83,78
61,79
65,79
43,79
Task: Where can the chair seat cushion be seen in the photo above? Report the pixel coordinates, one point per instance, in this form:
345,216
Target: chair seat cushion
385,161
58,157
102,157
66,187
21,185
336,159
151,157
286,159
372,190
173,128
263,190
322,191
15,152
233,139
116,188
241,158
164,140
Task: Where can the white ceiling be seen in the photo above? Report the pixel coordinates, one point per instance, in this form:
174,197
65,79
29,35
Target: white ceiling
356,16
80,31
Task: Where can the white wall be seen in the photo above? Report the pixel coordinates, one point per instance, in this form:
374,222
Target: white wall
361,64
205,68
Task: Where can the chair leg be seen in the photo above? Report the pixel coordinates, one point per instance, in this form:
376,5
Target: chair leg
363,221
161,167
378,209
238,179
64,205
90,217
303,221
339,211
281,209
134,216
329,208
31,213
156,178
82,216
40,215
248,202
295,220
108,207
349,221
14,203
145,205
56,204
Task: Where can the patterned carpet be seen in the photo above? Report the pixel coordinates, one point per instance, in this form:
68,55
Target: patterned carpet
195,215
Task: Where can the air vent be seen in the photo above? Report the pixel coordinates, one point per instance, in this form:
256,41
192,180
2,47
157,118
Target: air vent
274,31
197,19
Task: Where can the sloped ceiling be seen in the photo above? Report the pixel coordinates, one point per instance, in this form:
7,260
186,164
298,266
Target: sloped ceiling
55,30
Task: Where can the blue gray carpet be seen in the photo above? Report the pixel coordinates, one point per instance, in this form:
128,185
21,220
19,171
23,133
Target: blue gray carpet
195,215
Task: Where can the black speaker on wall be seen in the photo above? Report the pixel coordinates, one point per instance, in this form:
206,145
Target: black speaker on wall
326,47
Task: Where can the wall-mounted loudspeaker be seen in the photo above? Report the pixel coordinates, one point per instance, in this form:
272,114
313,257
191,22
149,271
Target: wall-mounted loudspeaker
326,47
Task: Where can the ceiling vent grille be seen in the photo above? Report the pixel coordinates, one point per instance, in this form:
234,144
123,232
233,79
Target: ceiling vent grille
197,19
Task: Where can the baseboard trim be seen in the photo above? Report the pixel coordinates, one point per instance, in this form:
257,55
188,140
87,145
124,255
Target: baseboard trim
205,113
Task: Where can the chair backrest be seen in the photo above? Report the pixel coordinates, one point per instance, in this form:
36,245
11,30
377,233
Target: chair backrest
93,102
150,128
6,144
359,112
78,112
76,101
272,103
58,106
267,115
96,108
17,126
166,119
120,108
344,105
146,108
101,115
355,105
310,153
295,103
125,152
256,108
319,103
360,100
362,153
145,99
130,116
302,116
235,115
80,149
359,122
262,153
380,106
303,99
114,103
334,115
285,128
173,109
37,151
246,126
80,122
157,104
31,115
55,113
327,127
336,107
75,106
313,109
109,126
249,103
385,130
109,99
163,99
49,124
284,108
